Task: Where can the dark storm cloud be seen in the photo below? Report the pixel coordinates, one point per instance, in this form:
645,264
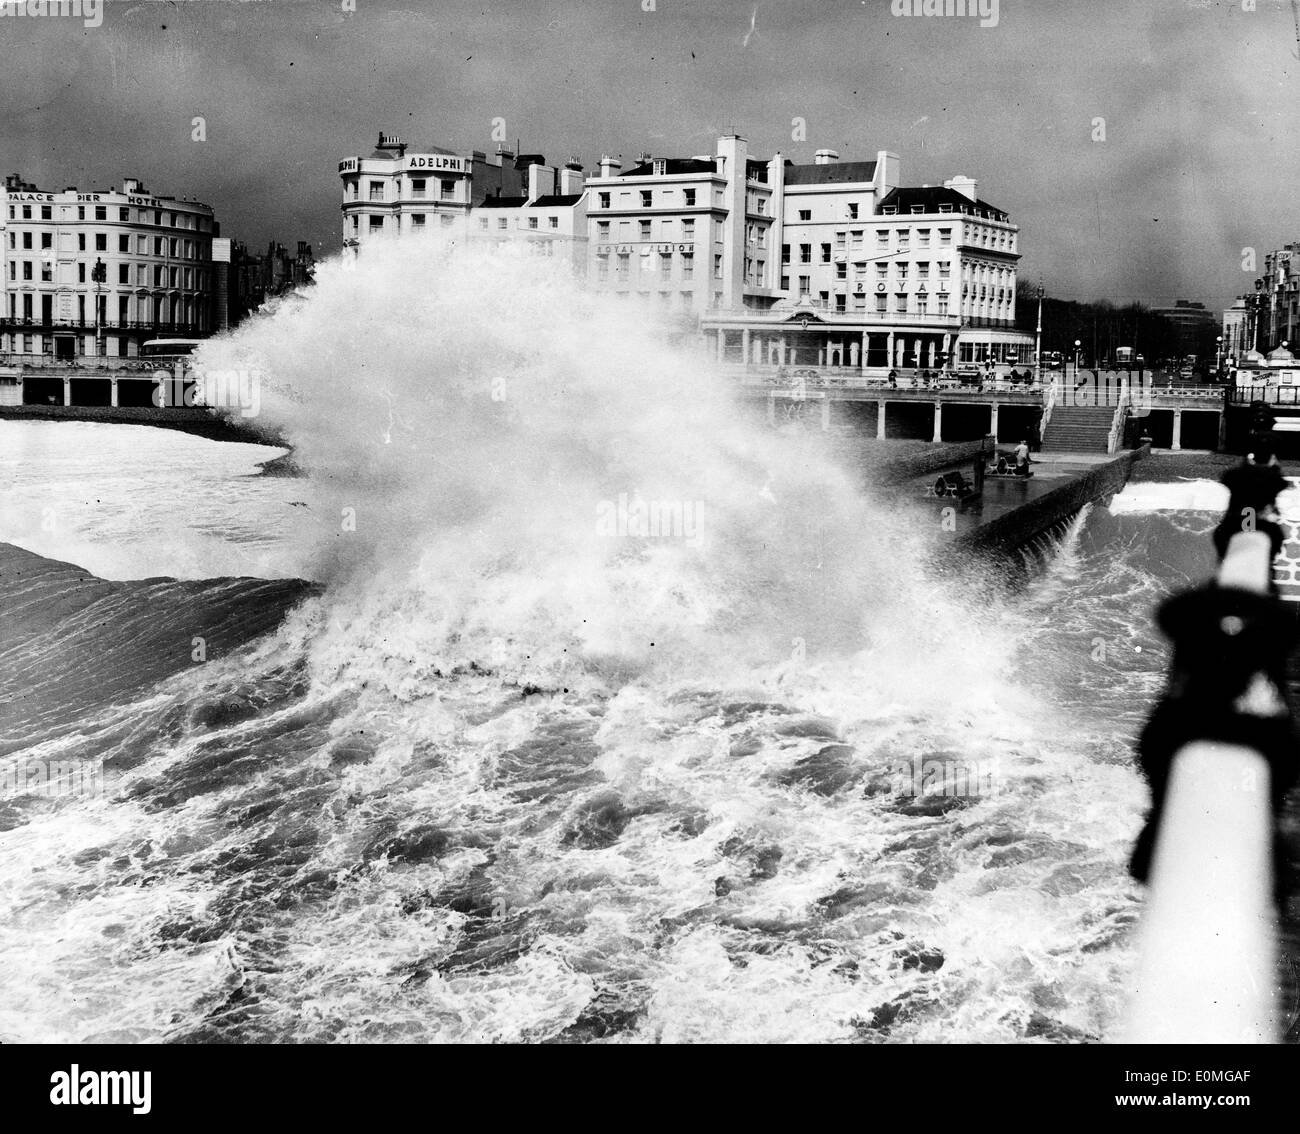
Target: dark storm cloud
1199,159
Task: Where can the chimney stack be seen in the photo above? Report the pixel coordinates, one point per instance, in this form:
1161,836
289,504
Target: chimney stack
826,157
609,167
966,186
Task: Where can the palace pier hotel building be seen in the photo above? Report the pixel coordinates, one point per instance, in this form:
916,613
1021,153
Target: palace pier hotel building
93,275
833,264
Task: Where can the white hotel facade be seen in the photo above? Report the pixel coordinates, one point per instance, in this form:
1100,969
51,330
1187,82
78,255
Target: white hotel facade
93,275
828,264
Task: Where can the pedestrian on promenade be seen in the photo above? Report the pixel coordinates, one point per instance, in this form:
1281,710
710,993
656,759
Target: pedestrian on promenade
1022,459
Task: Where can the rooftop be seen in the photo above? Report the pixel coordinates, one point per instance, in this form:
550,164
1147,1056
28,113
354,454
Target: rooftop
830,173
931,199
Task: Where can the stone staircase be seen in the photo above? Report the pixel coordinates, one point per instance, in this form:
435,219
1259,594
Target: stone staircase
1078,429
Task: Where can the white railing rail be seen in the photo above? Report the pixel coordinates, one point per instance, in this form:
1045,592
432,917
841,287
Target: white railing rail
1207,947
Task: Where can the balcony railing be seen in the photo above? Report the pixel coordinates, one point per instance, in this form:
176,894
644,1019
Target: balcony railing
25,325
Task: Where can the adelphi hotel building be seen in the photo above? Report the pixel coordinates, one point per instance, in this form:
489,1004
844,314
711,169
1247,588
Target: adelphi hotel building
92,276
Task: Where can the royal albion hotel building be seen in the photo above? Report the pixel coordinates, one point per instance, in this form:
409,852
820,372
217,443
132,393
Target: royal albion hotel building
93,275
828,264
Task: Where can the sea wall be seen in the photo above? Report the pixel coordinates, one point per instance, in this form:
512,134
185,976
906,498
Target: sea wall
1015,529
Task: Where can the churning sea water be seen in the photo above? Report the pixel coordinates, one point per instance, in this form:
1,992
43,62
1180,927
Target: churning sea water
511,768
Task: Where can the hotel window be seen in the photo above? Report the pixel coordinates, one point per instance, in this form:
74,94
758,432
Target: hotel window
604,200
921,302
532,222
447,190
686,298
855,241
502,223
902,272
785,283
602,269
46,213
645,198
688,266
552,222
101,212
418,186
158,245
923,238
805,286
665,264
27,213
689,196
376,190
923,270
645,230
376,224
81,242
882,271
171,248
157,216
853,210
483,223
446,220
142,274
805,253
943,304
47,272
688,228
624,264
417,220
840,302
805,214
902,301
171,219
824,297
785,253
173,277
826,253
882,239
602,231
101,242
124,273
882,303
945,270
355,223
904,238
760,206
841,271
124,244
27,239
81,274
717,266
124,215
142,244
840,241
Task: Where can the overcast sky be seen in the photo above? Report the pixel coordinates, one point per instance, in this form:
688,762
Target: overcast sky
1199,98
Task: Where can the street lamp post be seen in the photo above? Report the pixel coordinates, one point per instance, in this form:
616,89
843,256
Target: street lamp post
1218,357
98,273
1078,344
1038,337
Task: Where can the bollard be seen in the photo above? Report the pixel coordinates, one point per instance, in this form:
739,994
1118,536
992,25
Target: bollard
1220,753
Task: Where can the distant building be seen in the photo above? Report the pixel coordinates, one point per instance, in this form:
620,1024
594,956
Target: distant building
1280,298
1194,324
255,278
1236,330
393,191
96,274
